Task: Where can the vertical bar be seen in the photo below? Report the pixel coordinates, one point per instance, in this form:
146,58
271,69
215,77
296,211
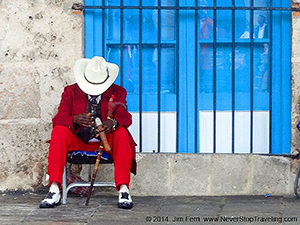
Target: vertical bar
233,74
184,82
158,71
215,72
88,32
140,74
270,91
196,77
188,82
177,75
121,41
98,24
251,77
103,29
277,91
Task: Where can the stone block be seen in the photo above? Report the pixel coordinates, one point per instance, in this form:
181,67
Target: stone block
206,174
271,175
190,174
153,175
295,115
23,154
230,174
19,92
295,39
52,80
106,172
45,32
33,92
54,2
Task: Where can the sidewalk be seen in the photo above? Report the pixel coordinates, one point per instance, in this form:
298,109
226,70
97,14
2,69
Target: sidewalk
23,209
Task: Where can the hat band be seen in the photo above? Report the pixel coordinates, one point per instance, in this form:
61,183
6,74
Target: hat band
102,82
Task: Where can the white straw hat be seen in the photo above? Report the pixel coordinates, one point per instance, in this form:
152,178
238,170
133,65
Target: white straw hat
94,76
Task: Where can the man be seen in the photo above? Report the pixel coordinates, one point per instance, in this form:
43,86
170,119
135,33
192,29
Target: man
72,126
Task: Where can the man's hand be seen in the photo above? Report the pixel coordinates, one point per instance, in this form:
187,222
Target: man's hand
107,127
83,119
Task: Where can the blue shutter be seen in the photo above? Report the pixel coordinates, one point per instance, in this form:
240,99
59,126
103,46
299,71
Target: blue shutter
191,104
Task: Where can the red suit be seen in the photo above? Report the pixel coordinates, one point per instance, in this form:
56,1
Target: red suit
64,139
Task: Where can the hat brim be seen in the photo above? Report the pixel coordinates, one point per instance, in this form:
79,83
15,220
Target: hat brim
94,89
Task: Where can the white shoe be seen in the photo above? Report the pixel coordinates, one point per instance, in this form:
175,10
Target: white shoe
51,200
125,201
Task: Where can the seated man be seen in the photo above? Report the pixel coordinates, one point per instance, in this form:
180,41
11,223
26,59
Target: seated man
73,126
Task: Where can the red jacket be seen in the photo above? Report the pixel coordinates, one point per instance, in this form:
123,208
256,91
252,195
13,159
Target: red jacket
74,101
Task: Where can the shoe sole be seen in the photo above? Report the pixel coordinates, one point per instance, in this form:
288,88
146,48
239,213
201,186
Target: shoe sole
48,206
125,205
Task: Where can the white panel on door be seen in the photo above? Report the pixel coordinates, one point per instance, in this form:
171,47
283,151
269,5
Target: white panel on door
261,132
134,129
242,132
149,131
168,132
223,132
206,131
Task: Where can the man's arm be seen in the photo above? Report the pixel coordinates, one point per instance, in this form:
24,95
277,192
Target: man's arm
120,114
64,115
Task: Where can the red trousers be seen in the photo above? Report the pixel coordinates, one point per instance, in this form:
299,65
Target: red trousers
63,141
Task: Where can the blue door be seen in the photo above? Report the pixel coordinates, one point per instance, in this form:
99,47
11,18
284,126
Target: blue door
195,85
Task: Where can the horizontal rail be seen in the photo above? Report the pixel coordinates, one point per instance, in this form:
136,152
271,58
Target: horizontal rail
79,6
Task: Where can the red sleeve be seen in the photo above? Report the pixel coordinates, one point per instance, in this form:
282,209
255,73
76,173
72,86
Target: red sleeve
64,115
121,115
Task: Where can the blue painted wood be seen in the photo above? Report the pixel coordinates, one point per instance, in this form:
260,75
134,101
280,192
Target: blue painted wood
286,82
89,31
97,27
190,79
183,116
276,86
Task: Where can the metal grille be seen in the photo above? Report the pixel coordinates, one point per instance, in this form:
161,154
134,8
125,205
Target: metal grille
177,8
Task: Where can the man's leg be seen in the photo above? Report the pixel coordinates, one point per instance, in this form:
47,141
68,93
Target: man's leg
62,141
122,156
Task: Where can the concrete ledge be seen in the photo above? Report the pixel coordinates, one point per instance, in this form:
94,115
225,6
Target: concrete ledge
208,174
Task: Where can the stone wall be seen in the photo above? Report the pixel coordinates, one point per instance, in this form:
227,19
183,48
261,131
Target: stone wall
295,77
39,43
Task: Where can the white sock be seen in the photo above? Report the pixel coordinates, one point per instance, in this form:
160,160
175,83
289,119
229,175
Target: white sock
124,188
54,187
